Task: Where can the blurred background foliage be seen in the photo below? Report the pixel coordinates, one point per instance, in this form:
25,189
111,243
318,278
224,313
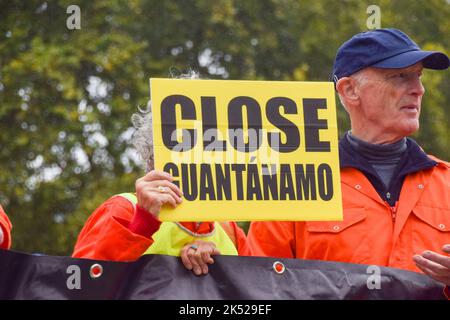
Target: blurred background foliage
66,96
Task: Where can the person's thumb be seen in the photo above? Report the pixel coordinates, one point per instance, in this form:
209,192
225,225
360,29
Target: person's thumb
215,251
446,248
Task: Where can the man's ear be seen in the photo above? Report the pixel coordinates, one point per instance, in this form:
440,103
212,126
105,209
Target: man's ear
346,87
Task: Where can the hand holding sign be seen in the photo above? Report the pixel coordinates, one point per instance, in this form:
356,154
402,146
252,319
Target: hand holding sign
156,189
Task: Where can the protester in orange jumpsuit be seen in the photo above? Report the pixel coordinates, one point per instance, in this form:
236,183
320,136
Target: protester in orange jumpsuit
396,198
126,226
5,230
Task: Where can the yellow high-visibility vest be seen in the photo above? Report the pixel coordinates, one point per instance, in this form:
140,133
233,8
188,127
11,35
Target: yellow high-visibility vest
173,236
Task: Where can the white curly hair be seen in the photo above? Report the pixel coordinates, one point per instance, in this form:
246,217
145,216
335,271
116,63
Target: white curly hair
142,138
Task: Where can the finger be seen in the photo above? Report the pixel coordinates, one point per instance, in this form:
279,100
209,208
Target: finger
166,198
143,187
184,257
438,258
433,275
205,269
202,255
193,259
152,191
199,256
215,251
157,175
173,187
206,257
433,266
170,187
146,192
203,259
428,272
158,200
446,248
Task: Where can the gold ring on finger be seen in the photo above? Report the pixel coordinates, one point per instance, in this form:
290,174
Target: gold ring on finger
163,189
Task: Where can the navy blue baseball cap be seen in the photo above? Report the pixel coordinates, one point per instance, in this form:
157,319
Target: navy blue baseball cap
383,48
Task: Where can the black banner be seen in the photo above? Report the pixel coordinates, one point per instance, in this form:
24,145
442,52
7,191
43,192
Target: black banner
24,276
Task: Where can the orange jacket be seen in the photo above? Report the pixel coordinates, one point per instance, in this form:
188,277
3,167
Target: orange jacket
370,233
106,236
6,227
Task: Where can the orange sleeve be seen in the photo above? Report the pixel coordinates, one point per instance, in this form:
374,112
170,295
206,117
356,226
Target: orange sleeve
6,227
272,239
241,240
105,235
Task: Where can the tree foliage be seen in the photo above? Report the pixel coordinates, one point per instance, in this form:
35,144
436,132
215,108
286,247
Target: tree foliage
66,96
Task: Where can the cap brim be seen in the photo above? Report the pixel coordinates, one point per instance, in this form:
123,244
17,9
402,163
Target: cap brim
431,60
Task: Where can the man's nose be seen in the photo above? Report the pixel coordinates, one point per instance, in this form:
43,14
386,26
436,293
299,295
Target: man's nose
416,86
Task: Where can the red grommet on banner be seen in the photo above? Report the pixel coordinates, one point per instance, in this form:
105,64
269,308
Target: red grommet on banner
278,267
96,270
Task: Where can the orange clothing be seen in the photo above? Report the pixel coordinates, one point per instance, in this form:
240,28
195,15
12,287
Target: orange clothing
6,227
106,234
371,232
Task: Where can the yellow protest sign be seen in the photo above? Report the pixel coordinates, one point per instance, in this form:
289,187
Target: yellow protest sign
248,150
